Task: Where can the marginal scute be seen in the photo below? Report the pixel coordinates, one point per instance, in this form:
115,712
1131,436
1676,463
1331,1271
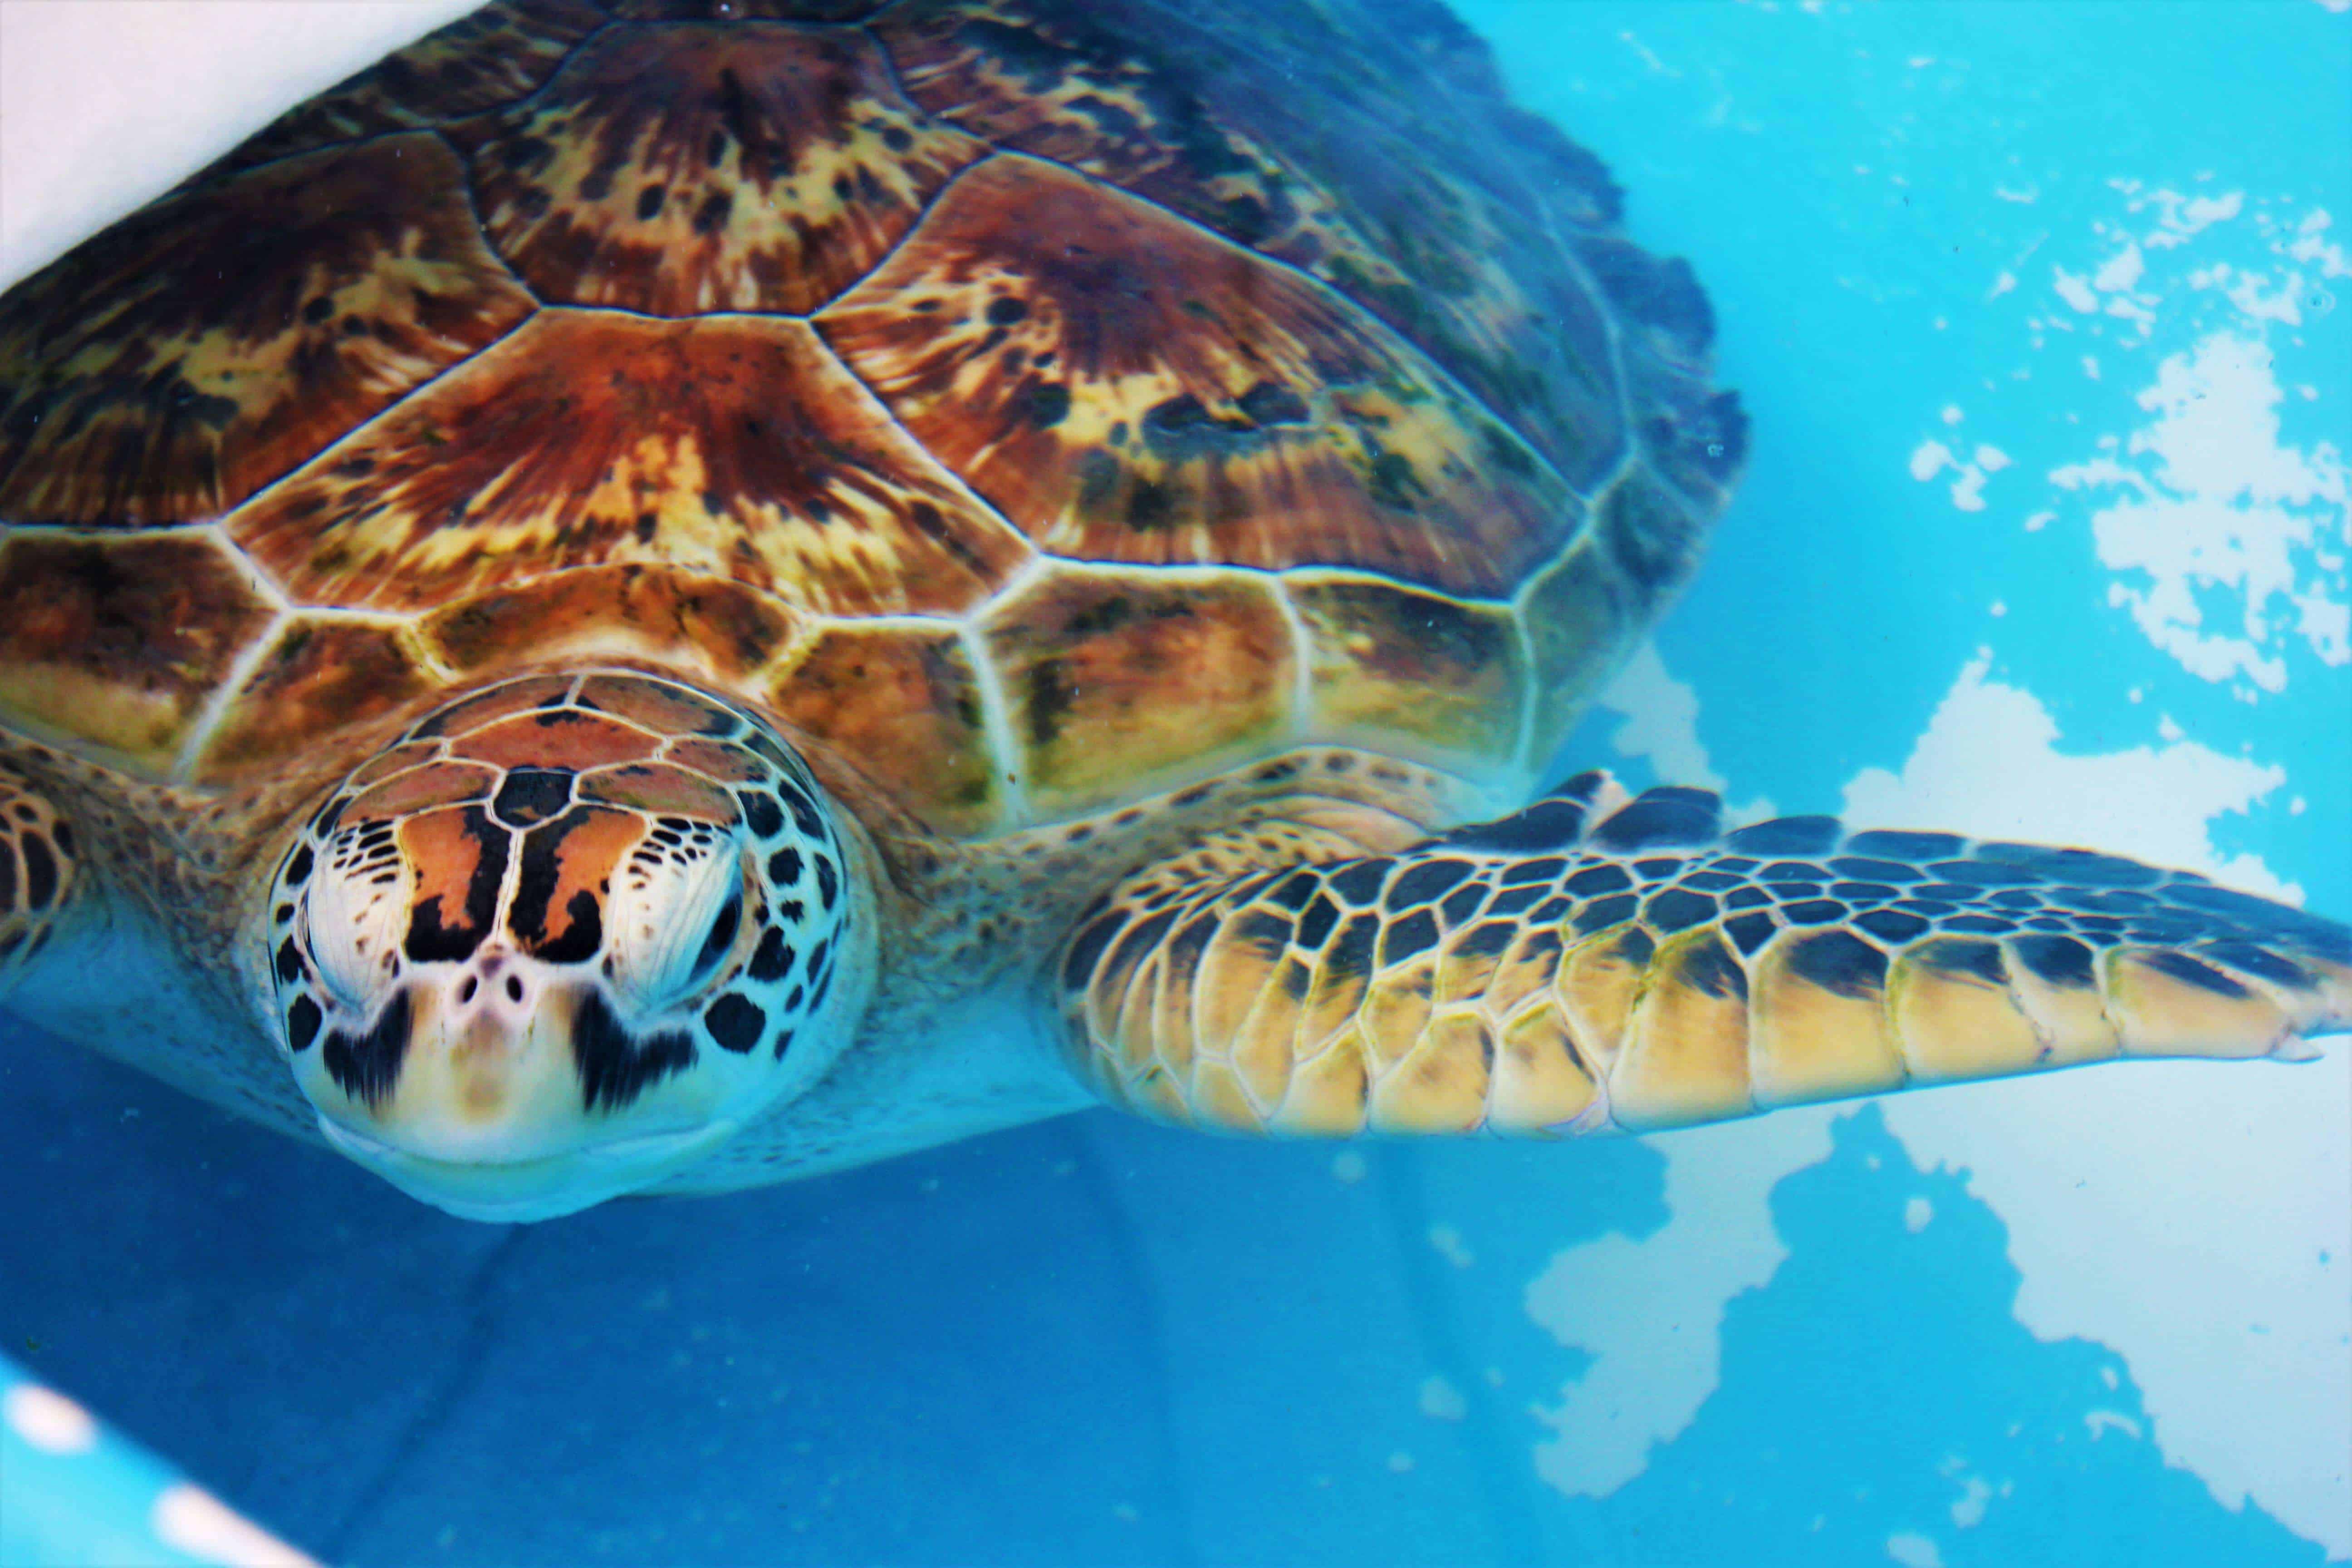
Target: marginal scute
1115,682
1665,817
1125,387
695,622
317,676
1584,619
691,168
1439,678
732,446
120,641
903,703
205,345
1654,536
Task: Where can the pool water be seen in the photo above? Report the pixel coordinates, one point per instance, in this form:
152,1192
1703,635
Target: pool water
2036,311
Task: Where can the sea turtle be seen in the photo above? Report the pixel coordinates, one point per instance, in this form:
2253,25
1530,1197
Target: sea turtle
663,595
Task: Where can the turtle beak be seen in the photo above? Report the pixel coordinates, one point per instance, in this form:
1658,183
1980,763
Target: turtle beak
485,1115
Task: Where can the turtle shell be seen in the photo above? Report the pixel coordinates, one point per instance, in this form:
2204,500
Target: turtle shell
1032,403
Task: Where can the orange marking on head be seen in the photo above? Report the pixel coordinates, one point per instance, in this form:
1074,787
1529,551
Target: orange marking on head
564,738
455,856
399,759
423,789
664,709
567,871
716,760
498,703
662,790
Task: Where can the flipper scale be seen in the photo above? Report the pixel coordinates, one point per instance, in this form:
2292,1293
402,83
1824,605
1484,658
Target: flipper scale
1595,964
39,875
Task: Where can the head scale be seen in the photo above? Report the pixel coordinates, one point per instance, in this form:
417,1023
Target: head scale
561,938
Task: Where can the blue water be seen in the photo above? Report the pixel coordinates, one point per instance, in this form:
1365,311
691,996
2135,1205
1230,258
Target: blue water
1098,1342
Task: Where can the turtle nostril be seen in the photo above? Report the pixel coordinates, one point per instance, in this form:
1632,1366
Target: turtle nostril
467,995
514,989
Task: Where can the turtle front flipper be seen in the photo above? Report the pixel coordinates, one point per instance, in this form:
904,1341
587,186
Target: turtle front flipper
36,875
1576,969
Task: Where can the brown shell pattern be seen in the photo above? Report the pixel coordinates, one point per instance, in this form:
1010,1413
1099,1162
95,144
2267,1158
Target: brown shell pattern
1034,402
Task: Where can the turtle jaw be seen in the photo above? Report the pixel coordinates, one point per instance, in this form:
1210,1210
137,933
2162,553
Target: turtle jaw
480,1099
522,1190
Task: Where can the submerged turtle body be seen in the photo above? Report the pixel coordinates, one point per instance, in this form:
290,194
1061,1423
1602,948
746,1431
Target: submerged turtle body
664,594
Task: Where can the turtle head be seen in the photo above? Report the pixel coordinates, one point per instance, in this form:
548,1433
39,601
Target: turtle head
562,939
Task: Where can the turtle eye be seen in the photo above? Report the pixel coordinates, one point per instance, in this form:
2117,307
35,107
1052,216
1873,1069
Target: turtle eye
354,914
677,907
722,940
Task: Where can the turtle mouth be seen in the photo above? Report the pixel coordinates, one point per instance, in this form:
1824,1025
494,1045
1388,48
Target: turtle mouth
545,1186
